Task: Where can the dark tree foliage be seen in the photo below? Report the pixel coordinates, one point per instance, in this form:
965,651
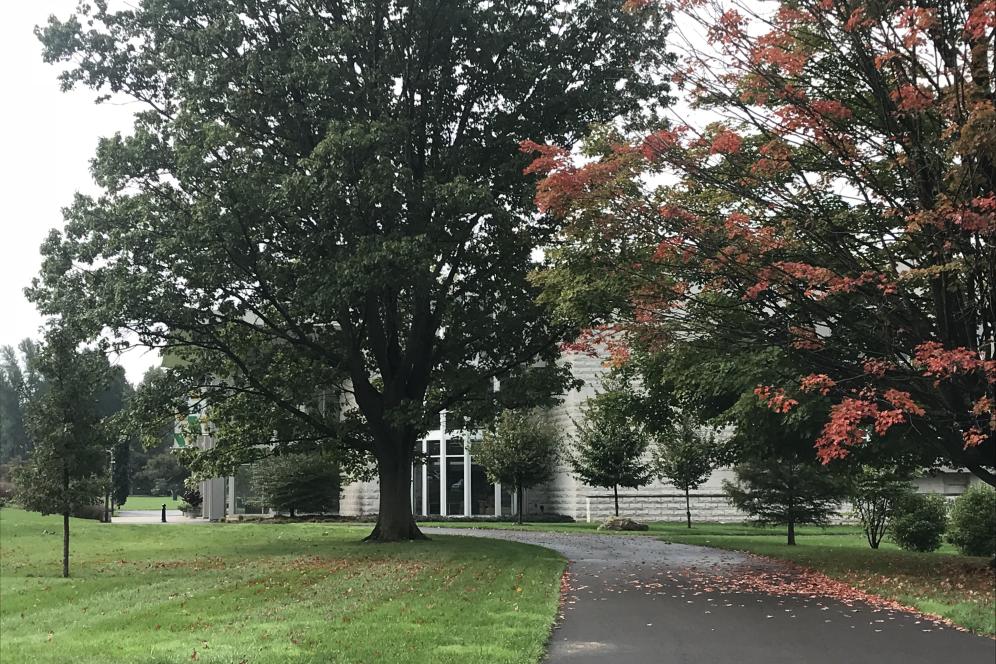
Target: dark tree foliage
297,483
67,468
323,195
609,446
685,456
519,451
14,442
121,471
162,474
20,382
782,491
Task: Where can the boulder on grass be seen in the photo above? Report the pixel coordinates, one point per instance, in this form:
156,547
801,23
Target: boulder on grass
623,523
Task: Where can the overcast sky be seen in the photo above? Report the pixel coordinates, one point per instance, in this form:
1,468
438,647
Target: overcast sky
48,139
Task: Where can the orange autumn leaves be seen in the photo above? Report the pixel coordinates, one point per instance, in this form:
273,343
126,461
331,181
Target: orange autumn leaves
806,201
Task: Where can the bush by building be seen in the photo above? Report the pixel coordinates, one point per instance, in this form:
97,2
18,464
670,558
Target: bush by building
973,522
919,521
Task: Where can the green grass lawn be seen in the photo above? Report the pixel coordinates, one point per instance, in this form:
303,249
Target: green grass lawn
959,588
150,503
267,593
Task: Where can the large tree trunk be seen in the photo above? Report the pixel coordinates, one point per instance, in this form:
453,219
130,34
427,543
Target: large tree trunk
395,521
791,532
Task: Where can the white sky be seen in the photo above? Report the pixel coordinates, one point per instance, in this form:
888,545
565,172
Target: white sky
47,141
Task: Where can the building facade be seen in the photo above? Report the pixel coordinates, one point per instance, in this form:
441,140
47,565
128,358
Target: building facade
451,484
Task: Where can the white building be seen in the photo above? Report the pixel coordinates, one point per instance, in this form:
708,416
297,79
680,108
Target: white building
451,484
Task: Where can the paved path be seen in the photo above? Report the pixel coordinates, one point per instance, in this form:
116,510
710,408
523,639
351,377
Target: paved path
638,600
152,516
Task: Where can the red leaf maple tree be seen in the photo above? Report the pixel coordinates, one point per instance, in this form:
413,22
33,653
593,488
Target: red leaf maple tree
829,171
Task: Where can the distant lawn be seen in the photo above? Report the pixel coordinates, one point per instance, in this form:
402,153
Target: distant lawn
150,503
959,588
235,593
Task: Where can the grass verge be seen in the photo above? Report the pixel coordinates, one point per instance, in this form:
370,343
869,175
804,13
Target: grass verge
256,594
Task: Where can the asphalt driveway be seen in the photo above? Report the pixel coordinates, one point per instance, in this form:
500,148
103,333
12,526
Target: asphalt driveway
638,600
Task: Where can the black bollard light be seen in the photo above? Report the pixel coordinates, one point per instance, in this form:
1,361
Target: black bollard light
164,512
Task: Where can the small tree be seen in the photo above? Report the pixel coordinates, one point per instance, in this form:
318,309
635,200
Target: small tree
66,469
519,451
874,494
297,483
609,447
781,491
685,457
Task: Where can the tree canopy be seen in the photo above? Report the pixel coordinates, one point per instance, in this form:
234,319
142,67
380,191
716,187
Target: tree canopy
20,382
836,204
328,197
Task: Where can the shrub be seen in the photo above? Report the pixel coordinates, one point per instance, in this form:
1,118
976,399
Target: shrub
874,493
973,522
193,498
919,521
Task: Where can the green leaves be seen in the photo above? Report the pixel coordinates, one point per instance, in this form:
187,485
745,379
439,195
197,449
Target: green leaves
610,445
520,450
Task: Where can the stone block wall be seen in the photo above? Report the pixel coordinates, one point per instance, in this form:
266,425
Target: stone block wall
655,502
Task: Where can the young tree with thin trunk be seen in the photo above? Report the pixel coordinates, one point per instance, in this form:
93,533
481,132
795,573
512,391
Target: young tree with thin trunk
685,456
610,446
67,467
519,451
874,493
329,197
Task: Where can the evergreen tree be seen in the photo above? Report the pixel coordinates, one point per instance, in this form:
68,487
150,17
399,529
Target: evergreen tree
785,491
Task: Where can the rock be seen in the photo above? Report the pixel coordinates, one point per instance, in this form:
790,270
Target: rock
623,523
